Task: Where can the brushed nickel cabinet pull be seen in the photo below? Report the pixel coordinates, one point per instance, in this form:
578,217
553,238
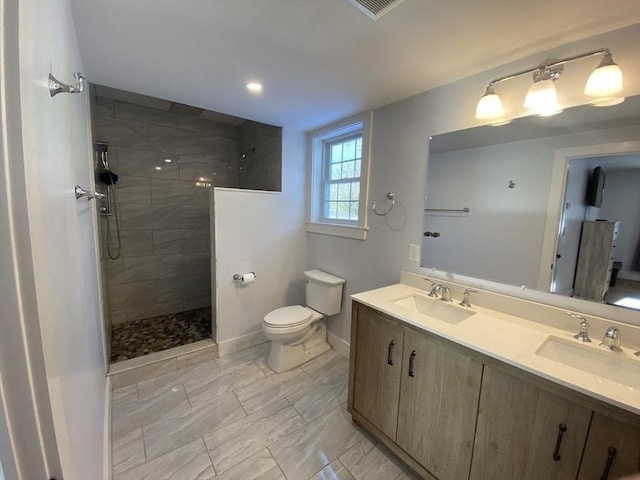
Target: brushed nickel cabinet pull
611,453
556,452
411,357
390,353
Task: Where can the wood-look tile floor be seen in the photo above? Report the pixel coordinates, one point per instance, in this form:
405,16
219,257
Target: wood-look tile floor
235,419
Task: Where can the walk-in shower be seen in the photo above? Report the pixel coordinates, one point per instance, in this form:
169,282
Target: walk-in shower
156,220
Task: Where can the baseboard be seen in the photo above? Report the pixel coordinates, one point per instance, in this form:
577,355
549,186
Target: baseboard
107,431
338,344
232,345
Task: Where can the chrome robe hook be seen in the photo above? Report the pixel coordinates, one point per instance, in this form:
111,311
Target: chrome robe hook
89,195
56,86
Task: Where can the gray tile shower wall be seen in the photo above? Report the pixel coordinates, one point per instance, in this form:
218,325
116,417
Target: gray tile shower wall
166,161
261,169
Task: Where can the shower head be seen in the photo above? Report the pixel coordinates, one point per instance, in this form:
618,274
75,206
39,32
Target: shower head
243,155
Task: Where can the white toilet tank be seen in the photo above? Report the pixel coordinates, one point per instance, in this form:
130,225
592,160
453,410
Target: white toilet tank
324,291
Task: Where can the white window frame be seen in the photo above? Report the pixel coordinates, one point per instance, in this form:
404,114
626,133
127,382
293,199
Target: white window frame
316,142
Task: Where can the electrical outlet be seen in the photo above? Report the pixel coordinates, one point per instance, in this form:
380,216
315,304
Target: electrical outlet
414,252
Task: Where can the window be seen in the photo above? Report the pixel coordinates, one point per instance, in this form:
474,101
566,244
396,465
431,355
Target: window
341,182
339,154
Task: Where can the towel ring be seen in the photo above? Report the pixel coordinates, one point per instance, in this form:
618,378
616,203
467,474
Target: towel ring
389,196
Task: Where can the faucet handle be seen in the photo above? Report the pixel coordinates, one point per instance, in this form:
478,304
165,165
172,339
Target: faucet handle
435,288
465,297
583,334
611,339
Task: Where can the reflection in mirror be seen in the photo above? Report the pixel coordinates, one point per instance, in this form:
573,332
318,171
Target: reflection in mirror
525,204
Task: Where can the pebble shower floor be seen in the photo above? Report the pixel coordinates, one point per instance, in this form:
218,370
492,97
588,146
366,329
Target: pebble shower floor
141,337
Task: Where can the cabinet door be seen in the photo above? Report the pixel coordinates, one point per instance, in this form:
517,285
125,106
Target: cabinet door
519,433
438,406
601,463
378,359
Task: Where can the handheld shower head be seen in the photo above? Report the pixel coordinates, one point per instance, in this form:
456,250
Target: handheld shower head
102,150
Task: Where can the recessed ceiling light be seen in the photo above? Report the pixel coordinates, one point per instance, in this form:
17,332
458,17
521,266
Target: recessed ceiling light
254,87
158,168
167,160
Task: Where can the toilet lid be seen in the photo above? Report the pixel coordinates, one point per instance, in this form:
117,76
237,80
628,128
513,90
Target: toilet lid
288,316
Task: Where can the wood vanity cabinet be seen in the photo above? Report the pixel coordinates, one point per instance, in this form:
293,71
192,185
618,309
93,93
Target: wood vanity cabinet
612,449
451,413
378,362
416,390
525,432
438,405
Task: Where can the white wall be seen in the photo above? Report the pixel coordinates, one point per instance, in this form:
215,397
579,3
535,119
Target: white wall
62,232
399,152
27,445
261,232
621,203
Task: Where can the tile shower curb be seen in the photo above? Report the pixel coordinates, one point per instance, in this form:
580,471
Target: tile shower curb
155,364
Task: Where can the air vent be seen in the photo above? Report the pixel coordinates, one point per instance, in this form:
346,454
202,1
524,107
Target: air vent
375,9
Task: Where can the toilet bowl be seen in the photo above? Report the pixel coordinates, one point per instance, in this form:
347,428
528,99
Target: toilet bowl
299,333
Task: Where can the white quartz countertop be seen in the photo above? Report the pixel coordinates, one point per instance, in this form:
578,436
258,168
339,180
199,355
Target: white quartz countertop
512,340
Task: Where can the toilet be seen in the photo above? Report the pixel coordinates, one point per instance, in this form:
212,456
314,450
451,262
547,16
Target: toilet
299,333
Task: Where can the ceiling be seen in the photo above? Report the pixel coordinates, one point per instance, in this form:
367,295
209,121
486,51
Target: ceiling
319,60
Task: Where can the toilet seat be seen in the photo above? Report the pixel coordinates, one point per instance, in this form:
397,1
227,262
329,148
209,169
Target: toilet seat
291,316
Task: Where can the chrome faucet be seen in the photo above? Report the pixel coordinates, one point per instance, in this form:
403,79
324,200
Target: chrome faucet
611,340
583,334
446,293
465,297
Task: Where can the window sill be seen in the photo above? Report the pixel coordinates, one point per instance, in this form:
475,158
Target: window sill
346,231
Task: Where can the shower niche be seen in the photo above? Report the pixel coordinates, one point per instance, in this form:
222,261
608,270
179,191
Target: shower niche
156,161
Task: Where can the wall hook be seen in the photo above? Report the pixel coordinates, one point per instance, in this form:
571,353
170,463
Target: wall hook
389,196
82,193
56,86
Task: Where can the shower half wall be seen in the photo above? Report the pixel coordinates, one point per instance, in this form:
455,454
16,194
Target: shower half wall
167,158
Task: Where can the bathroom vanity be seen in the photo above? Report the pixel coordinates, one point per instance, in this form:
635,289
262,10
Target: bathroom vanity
484,393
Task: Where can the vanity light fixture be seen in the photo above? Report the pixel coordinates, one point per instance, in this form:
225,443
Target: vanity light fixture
604,82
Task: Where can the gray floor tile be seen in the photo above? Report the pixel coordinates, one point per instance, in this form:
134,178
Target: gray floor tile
256,396
129,413
334,471
325,365
366,461
262,363
309,449
171,432
203,389
127,451
120,393
160,384
248,436
321,396
135,375
166,418
243,356
190,462
261,466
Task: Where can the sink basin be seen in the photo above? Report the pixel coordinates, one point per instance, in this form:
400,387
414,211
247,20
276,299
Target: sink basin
434,308
603,363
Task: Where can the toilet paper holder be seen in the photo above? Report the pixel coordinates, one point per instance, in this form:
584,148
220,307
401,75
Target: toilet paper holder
238,276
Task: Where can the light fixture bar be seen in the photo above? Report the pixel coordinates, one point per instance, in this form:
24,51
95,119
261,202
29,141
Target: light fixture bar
605,81
548,66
